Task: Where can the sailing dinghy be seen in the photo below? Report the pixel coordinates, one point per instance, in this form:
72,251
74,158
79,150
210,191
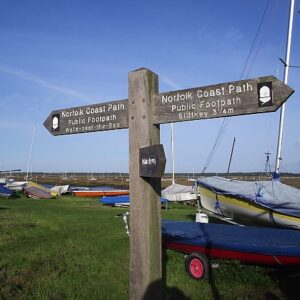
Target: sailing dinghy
121,200
5,192
270,203
36,193
178,192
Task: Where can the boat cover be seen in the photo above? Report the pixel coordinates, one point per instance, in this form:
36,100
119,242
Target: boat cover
115,200
37,193
178,192
271,194
249,239
5,192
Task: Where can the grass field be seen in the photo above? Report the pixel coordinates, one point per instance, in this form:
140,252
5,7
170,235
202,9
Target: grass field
75,248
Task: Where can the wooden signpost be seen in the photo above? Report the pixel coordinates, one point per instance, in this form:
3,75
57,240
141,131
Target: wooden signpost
142,113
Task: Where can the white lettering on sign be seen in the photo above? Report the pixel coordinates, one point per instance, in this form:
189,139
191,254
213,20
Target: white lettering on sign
98,117
210,93
206,102
95,110
193,115
149,161
176,98
73,122
116,107
102,119
246,87
183,107
72,113
221,103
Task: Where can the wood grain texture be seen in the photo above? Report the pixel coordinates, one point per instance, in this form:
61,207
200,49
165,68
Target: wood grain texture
145,224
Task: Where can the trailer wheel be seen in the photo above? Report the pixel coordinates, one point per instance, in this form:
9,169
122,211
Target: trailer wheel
197,265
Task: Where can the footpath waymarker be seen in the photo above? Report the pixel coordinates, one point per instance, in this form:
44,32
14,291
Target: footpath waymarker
250,96
142,113
152,161
88,118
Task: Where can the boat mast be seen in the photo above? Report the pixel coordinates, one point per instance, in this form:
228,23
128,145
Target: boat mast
229,164
286,73
30,153
173,159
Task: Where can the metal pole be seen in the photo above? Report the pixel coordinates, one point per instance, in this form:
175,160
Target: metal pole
173,157
286,73
30,153
229,164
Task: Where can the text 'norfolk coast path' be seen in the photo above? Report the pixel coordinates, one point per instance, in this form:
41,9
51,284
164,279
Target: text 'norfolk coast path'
264,94
251,96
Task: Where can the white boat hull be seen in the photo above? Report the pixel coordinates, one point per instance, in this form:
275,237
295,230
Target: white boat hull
16,185
177,192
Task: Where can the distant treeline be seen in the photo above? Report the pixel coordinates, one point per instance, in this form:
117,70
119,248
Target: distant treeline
123,174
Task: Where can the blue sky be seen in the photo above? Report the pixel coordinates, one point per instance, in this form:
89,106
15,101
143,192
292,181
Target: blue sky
60,54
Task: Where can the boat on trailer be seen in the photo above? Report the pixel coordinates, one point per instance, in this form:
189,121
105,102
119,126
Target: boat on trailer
205,241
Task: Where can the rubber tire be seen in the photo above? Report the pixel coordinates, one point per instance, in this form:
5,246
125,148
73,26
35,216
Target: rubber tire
197,265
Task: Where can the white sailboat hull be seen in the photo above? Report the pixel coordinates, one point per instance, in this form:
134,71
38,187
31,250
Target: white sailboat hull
16,185
177,192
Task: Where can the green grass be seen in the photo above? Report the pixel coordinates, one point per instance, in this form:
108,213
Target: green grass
75,248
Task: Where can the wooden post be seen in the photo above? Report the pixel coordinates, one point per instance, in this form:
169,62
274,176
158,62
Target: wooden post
145,225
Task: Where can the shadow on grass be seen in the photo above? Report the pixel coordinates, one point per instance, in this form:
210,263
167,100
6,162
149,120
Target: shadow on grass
288,280
168,292
191,217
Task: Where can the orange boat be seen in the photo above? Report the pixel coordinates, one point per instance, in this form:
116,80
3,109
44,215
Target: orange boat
100,193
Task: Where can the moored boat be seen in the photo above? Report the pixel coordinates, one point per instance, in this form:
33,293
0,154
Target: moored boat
36,193
15,185
120,200
178,193
41,187
100,193
60,189
270,203
5,192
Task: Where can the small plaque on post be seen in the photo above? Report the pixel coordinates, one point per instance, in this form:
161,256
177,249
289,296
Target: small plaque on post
152,161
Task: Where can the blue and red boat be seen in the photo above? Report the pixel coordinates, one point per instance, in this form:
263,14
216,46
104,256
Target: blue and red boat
5,192
257,245
121,200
